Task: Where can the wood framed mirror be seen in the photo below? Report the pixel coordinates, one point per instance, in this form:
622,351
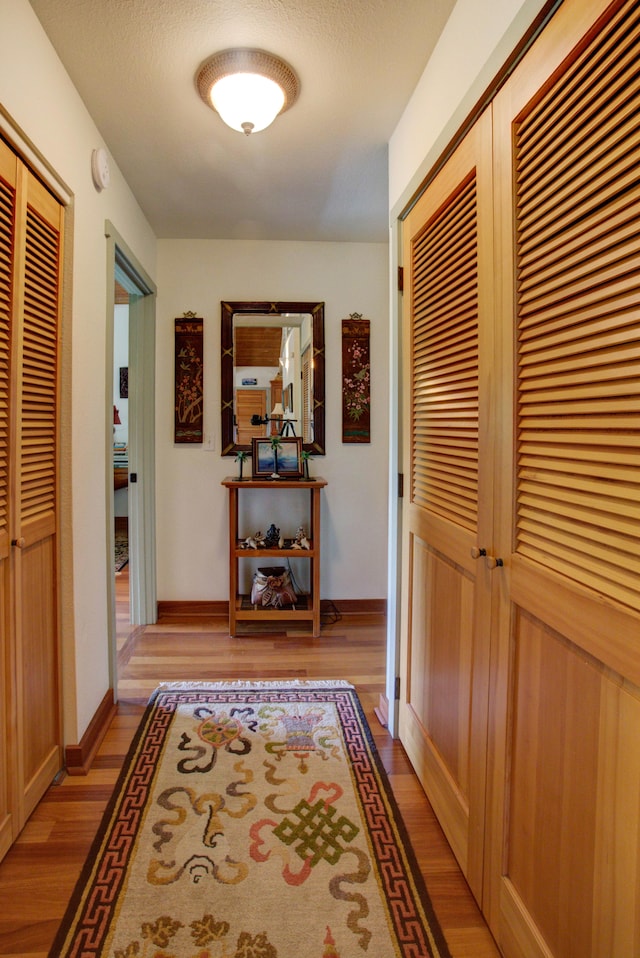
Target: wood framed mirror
272,373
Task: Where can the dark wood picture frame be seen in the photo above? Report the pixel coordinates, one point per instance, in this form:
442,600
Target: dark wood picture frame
228,310
286,465
289,396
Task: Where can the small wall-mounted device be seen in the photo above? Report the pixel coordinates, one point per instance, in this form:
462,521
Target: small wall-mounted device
100,169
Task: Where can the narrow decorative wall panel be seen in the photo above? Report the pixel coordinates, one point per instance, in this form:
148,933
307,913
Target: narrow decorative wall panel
189,413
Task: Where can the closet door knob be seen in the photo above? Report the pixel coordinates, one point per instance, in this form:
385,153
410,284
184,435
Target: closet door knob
18,543
494,563
476,552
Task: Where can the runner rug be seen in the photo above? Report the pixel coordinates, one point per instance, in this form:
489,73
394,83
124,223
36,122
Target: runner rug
121,549
251,821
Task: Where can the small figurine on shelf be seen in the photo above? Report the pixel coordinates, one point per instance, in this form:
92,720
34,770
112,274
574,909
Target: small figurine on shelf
305,455
256,541
241,458
301,540
272,537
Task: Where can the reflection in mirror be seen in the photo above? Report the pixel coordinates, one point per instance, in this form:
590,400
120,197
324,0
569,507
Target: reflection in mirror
272,373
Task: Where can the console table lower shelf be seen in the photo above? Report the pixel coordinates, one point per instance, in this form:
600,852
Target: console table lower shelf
301,611
307,608
247,615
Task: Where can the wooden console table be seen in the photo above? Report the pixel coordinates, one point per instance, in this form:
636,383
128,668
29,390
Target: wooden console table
239,607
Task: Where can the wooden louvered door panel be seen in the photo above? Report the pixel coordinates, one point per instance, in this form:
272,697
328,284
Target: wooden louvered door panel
563,859
446,600
8,827
35,491
31,253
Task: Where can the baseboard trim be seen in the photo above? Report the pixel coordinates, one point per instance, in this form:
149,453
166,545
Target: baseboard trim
78,758
382,711
358,606
187,610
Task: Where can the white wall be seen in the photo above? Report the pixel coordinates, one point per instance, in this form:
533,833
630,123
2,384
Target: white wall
476,41
39,98
192,508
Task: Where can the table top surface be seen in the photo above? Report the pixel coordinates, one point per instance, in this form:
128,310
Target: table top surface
234,482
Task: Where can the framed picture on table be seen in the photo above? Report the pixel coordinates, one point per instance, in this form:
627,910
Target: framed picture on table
277,458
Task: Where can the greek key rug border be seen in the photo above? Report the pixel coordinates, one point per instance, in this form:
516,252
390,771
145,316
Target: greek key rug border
94,903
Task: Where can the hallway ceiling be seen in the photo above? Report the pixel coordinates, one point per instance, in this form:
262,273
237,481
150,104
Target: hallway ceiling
318,173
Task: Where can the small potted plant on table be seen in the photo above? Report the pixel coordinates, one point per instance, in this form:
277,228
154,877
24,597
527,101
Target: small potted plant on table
241,458
276,442
305,455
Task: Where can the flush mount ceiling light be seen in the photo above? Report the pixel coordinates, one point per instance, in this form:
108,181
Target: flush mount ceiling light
248,88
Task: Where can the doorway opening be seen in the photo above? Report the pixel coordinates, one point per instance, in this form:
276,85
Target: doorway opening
130,437
121,463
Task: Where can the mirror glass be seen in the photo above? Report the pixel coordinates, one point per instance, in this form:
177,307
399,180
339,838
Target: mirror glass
272,373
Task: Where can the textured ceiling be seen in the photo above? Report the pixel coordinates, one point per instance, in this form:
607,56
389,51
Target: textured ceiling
318,173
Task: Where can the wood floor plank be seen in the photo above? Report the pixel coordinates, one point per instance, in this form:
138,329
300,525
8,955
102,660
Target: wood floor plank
39,872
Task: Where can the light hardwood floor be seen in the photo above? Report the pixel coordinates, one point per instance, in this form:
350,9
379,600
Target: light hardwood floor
39,872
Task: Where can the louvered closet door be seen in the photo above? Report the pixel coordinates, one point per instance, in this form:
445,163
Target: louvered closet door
7,696
448,492
35,488
30,269
563,861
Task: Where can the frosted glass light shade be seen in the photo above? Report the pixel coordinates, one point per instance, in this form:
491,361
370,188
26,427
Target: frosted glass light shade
247,88
247,102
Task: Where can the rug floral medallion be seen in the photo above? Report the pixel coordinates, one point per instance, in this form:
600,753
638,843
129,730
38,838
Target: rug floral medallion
251,821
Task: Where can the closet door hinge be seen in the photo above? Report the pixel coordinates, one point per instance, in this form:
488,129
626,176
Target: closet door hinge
397,689
400,485
401,279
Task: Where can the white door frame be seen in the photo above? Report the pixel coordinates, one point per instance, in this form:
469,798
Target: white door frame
394,516
123,266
